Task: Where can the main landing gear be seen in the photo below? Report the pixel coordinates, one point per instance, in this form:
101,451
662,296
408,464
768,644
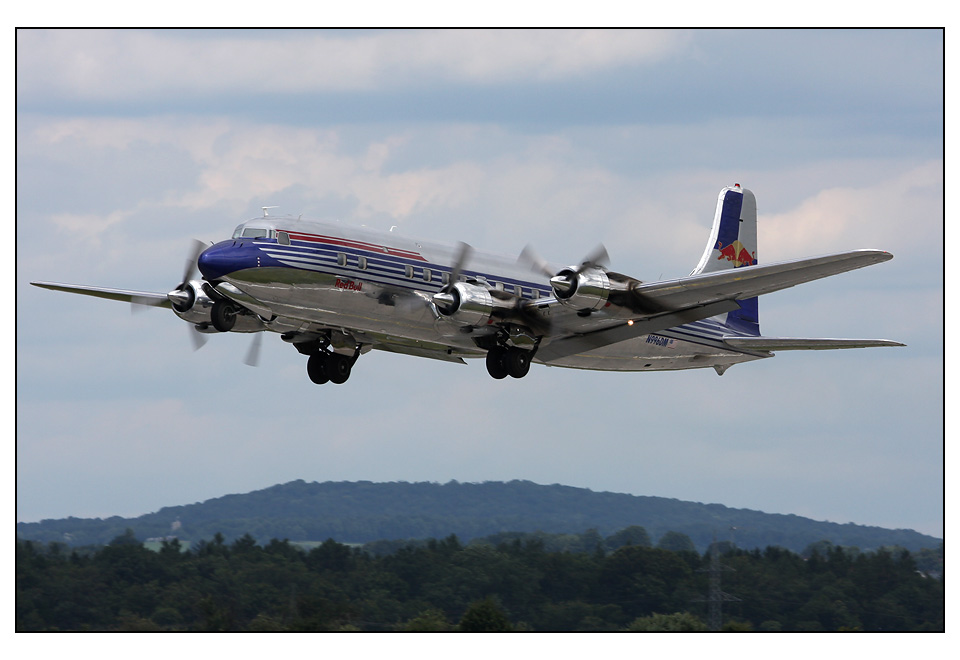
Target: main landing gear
324,366
503,362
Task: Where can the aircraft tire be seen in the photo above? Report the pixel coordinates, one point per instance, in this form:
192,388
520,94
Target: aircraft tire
497,363
338,368
517,362
316,368
223,315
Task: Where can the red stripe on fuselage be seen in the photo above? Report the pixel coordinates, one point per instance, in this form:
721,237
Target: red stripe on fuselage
358,245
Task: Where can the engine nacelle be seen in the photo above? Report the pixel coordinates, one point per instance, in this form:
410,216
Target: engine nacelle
472,305
191,303
587,289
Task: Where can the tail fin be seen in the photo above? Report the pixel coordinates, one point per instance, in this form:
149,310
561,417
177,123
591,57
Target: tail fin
733,244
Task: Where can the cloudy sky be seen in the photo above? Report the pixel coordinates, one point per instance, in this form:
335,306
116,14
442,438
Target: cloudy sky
130,144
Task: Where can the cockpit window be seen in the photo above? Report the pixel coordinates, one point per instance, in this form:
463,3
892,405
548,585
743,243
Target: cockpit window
252,232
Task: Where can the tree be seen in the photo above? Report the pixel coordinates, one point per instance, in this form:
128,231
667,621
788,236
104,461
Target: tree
244,544
429,620
632,535
127,538
484,616
676,622
646,580
676,542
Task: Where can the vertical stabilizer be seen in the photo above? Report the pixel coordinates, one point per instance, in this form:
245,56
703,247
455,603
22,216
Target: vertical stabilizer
733,244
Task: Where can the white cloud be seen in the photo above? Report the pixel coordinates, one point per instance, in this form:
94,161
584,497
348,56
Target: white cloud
902,211
89,224
136,66
498,189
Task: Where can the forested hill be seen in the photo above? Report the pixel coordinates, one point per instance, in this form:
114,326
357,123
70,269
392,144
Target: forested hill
361,512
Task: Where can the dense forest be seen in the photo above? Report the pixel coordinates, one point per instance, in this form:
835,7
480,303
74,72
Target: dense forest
360,512
520,582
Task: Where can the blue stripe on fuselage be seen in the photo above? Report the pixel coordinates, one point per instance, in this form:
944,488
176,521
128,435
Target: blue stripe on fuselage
229,257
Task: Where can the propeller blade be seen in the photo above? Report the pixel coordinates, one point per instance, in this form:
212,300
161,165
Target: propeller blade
253,355
198,338
190,268
459,262
598,258
529,258
138,305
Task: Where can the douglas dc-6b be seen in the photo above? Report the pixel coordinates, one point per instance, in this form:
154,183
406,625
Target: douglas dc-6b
335,293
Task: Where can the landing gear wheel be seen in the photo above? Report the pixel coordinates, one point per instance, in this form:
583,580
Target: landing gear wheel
496,363
517,362
223,315
338,368
317,368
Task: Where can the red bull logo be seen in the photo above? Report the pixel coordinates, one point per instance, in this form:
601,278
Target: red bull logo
348,285
737,253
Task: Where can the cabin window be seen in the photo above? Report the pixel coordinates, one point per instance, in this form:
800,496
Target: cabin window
498,286
341,259
408,271
445,278
362,263
535,293
518,291
427,275
283,238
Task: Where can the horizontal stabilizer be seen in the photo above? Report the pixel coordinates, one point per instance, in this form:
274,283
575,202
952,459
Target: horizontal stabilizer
123,295
802,344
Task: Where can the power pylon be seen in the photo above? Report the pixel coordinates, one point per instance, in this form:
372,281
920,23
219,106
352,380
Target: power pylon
716,596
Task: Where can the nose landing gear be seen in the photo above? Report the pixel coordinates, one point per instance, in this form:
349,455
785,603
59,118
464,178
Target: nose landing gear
223,315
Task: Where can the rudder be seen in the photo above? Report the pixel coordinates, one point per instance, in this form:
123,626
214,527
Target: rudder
733,244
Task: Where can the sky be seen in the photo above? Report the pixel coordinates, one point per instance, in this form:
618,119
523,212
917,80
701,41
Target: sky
131,144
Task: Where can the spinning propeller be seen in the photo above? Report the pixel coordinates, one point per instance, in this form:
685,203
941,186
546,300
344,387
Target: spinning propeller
446,298
185,297
562,282
590,285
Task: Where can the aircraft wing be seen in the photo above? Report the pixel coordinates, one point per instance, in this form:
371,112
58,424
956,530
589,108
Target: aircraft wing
588,341
697,297
123,295
433,354
751,281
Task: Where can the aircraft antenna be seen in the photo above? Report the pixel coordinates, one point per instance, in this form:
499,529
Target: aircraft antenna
264,209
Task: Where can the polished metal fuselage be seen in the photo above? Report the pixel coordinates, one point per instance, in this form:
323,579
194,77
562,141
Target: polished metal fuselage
371,288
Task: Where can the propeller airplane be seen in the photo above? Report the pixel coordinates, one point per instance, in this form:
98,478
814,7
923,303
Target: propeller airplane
335,293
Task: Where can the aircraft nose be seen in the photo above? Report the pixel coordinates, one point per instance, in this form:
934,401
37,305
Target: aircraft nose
217,261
